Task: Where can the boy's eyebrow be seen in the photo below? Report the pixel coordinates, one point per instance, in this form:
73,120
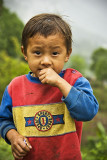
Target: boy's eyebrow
40,46
37,47
55,47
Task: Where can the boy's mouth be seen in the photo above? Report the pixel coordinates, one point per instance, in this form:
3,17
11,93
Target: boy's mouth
41,69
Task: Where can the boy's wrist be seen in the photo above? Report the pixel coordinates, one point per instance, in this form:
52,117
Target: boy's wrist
64,86
59,82
11,134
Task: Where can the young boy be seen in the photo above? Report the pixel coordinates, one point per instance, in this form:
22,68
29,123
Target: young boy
41,112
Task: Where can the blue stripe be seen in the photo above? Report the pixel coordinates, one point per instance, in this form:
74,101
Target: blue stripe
57,119
29,121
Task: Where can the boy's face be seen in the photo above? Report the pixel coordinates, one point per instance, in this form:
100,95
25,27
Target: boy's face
44,52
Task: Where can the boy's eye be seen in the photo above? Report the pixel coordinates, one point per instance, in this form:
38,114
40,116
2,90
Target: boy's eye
37,53
55,53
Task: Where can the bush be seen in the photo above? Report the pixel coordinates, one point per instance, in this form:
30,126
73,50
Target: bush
97,146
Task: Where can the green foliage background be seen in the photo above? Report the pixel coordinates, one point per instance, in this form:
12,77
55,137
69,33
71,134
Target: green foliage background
12,64
10,27
5,151
97,146
99,65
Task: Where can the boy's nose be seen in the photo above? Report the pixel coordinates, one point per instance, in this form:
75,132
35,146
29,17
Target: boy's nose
46,61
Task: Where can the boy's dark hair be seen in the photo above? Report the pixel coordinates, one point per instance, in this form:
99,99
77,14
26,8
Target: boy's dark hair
46,24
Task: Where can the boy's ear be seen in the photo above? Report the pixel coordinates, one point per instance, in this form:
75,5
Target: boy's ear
68,55
24,54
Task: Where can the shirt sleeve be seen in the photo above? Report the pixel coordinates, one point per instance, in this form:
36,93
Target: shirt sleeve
6,118
80,101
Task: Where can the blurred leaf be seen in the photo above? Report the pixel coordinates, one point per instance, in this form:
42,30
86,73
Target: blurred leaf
100,129
97,146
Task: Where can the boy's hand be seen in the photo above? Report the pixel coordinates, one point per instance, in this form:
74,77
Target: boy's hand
19,147
49,76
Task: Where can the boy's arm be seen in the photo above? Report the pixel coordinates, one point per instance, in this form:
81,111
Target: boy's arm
79,98
8,130
80,101
6,118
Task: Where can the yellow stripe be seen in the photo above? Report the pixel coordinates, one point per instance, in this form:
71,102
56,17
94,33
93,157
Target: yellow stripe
55,109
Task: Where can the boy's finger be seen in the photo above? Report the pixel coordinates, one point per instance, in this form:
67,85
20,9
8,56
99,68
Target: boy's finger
43,71
41,77
27,143
23,147
20,151
17,155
